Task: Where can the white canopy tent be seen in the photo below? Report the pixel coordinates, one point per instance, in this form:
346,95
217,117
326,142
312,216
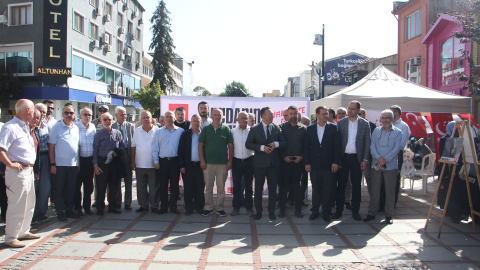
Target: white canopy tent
382,88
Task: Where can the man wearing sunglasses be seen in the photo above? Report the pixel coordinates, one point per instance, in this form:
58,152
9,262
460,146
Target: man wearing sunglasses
63,148
49,119
385,145
96,122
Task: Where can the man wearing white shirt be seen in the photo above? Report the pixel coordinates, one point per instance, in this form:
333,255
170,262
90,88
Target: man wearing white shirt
242,166
49,119
141,161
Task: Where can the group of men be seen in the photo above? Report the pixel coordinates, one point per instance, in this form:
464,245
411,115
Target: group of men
41,153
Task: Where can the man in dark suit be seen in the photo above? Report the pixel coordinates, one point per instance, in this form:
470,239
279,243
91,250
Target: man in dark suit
127,129
265,139
321,155
189,163
354,153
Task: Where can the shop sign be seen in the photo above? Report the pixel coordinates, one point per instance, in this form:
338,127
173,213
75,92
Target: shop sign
128,102
103,99
55,71
55,16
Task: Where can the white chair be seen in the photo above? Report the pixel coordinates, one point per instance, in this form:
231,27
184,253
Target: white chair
408,169
425,172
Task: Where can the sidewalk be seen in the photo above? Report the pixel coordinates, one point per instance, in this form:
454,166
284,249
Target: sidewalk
150,241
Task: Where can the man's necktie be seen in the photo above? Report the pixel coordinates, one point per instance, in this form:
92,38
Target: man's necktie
268,132
123,133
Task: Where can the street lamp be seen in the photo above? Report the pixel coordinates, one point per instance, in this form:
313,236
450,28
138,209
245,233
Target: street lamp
320,41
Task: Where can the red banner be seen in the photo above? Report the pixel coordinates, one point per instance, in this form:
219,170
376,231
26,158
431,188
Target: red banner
415,121
439,127
474,123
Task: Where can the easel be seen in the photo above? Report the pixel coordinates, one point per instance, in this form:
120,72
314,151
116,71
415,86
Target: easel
460,125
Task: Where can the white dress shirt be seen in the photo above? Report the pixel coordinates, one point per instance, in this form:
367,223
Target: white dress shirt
17,142
86,138
405,132
239,139
320,131
51,121
142,141
265,130
352,137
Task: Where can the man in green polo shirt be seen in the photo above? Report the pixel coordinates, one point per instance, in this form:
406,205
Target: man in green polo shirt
215,147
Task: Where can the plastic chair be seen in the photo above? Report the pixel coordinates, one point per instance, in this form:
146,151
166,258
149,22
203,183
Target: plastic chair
425,172
407,170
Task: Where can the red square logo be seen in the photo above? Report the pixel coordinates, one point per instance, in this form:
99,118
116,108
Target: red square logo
172,107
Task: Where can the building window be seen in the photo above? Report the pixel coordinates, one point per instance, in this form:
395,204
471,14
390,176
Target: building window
453,63
138,34
90,70
108,9
118,77
93,31
21,15
77,66
412,73
130,27
110,76
137,57
137,84
93,3
120,19
413,27
126,80
20,62
78,23
119,46
100,73
2,60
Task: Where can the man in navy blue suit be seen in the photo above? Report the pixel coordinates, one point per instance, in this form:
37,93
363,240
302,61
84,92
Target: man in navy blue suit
321,155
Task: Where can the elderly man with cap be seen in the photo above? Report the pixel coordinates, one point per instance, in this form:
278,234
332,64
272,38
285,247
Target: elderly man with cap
97,122
17,152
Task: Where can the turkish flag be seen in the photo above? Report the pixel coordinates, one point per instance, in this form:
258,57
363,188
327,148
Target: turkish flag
474,123
439,126
416,123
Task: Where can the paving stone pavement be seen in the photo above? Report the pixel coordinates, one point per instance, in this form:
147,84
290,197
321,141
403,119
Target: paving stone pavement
149,241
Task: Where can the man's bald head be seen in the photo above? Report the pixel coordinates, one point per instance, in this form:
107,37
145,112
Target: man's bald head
24,109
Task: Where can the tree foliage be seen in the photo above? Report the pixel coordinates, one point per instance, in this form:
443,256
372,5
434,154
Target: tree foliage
468,15
229,87
201,91
162,46
149,97
9,84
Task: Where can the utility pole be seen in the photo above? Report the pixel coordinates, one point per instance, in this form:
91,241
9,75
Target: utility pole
323,60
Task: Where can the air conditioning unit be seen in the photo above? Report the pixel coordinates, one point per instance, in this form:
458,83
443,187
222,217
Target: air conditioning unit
108,48
128,52
106,39
122,57
125,6
122,30
113,87
99,11
416,61
3,19
96,43
108,18
124,90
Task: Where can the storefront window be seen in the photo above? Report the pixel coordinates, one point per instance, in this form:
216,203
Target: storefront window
2,59
20,62
118,77
90,70
452,61
138,85
132,82
110,76
126,80
77,66
100,73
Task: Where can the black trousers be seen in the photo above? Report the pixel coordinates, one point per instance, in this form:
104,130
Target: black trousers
304,183
291,176
194,188
323,182
169,173
350,165
397,183
85,178
242,169
3,192
103,180
271,173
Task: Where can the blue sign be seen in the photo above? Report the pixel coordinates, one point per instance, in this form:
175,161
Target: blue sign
334,69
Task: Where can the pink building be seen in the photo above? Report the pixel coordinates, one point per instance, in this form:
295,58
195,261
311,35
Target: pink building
444,60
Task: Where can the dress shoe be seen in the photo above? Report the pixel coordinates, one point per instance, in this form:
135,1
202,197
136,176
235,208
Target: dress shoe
88,212
348,205
298,214
29,236
62,218
99,212
327,217
175,211
128,207
79,213
272,216
257,216
388,220
141,209
41,217
369,217
115,211
15,244
162,211
356,216
235,212
282,213
188,212
221,213
250,213
154,210
314,216
337,215
207,213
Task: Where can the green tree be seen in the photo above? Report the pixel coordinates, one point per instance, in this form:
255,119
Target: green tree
201,91
162,46
149,97
229,87
468,16
9,84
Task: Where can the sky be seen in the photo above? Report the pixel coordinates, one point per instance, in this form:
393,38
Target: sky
261,43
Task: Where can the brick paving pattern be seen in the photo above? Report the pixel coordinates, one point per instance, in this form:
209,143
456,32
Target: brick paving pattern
150,241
